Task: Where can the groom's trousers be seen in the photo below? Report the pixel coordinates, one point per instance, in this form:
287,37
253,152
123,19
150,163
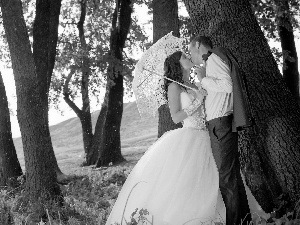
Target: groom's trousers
224,145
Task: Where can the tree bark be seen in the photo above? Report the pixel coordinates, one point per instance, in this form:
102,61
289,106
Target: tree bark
86,119
97,141
270,154
110,151
9,162
165,20
84,114
31,106
290,59
45,36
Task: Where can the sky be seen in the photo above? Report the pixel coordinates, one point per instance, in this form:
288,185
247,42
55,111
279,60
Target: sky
57,117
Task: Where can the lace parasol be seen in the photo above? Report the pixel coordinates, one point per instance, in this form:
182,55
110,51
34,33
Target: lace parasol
148,74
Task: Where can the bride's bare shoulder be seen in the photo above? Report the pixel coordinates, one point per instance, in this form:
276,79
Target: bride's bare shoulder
174,88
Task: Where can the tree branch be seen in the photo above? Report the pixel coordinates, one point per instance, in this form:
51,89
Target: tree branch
85,67
66,93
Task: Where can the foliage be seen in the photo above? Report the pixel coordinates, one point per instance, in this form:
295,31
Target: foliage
28,13
97,33
266,13
69,53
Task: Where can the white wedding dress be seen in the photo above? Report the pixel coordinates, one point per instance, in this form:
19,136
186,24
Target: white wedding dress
176,180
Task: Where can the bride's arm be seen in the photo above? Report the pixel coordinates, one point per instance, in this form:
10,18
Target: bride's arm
177,113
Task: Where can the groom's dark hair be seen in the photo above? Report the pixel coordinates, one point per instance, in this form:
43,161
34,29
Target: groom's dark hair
202,40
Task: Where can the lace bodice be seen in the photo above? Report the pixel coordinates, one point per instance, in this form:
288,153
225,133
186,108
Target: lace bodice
197,119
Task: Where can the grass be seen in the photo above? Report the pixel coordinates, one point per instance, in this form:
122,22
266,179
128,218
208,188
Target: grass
88,199
90,196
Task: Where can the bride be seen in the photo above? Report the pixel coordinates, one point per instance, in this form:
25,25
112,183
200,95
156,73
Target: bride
176,181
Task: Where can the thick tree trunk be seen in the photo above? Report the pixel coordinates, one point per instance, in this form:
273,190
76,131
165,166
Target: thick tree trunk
165,20
9,163
31,107
45,35
110,150
290,59
270,151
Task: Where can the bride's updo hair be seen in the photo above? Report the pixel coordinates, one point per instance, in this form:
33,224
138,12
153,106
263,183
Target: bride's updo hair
173,70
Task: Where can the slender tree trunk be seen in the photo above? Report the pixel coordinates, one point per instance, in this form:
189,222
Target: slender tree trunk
9,163
84,114
110,151
165,20
86,119
270,151
97,141
31,107
290,59
45,35
87,133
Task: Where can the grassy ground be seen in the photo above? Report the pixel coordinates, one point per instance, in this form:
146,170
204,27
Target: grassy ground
89,197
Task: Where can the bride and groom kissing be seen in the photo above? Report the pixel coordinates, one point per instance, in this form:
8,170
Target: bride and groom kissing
191,175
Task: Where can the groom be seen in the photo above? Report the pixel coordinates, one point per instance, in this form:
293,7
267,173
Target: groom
227,110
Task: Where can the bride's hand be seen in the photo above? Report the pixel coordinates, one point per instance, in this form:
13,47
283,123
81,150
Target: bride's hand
200,94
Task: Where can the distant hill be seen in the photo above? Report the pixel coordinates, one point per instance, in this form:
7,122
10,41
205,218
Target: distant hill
136,135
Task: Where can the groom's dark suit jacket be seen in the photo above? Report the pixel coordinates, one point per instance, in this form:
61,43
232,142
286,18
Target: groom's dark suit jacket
242,114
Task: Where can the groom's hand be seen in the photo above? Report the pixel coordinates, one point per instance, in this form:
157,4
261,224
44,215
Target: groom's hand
200,72
200,95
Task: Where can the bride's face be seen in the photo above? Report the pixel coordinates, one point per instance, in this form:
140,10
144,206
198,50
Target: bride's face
185,62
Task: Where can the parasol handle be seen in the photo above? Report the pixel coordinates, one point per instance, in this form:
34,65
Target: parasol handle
194,89
167,79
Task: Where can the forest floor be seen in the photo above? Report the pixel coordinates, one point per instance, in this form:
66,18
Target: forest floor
90,196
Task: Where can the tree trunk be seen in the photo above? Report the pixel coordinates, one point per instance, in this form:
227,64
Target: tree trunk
290,59
45,35
110,151
9,163
87,133
31,107
165,20
86,119
97,141
84,115
270,154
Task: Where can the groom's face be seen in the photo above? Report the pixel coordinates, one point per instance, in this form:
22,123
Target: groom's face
195,52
